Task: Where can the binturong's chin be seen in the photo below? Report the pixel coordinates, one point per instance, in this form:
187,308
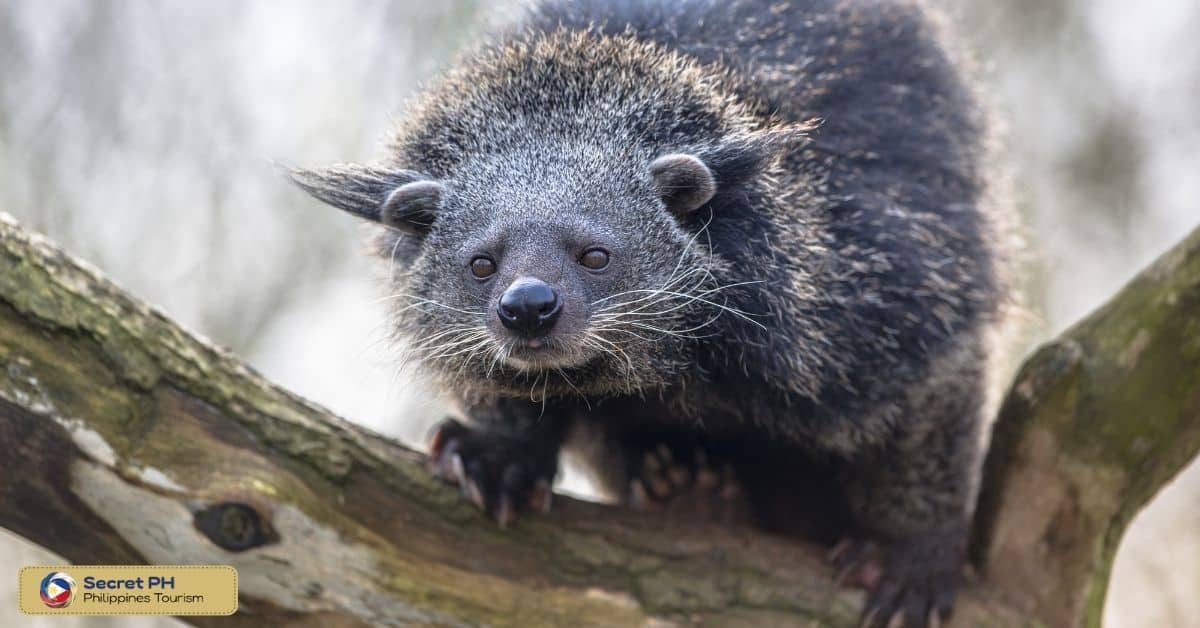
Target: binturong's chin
537,368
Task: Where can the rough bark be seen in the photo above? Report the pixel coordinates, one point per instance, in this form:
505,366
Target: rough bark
129,440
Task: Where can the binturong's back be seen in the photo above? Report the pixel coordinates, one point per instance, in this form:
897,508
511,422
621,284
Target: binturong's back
745,240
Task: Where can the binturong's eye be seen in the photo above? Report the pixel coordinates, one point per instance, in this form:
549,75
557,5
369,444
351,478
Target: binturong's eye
594,259
483,267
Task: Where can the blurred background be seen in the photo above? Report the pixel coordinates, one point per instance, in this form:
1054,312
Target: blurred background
146,137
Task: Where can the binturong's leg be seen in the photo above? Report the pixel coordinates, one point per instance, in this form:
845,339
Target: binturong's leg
505,460
911,503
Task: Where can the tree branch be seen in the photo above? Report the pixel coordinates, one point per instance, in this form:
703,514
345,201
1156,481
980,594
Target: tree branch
138,442
1097,421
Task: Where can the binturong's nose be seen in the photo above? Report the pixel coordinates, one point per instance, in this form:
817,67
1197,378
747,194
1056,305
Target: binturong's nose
529,307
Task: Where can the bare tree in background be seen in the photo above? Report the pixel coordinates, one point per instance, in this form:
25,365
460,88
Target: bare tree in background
143,135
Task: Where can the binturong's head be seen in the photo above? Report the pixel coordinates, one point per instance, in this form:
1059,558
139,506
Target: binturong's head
544,208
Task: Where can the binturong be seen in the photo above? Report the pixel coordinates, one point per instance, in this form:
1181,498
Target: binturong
727,253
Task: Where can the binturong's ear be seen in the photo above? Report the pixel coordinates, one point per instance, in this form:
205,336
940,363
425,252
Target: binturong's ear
688,181
683,181
401,199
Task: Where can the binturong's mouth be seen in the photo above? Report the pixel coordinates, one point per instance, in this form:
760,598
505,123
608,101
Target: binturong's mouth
529,354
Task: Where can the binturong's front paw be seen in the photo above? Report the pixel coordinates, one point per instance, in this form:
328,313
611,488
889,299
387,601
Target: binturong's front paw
684,480
910,583
501,474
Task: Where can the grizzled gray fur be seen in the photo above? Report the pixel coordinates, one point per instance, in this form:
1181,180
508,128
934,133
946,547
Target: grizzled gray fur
709,244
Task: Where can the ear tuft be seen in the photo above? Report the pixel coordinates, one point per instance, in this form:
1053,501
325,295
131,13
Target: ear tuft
400,199
689,181
683,181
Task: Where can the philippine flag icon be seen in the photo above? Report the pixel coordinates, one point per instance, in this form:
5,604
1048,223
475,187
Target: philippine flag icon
57,590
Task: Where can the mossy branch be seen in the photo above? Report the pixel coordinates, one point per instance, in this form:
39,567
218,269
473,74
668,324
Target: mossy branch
139,442
1096,422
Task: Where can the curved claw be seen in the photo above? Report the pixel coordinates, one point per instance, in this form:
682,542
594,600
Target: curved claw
910,584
